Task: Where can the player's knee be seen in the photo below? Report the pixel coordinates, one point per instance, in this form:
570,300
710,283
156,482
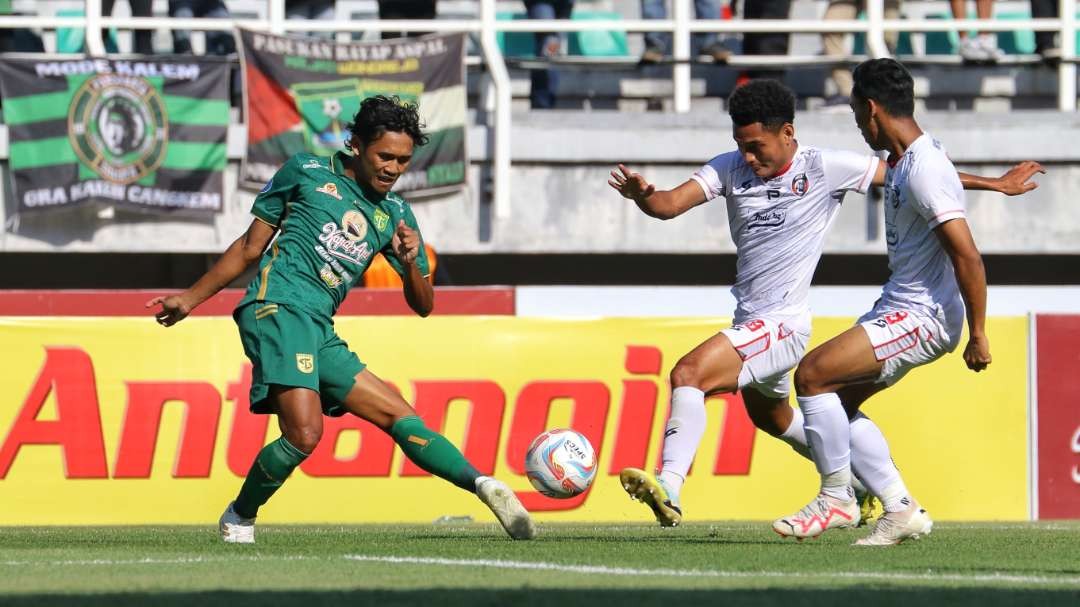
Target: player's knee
686,374
305,437
809,380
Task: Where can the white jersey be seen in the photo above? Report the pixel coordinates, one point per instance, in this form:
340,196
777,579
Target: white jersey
922,191
778,225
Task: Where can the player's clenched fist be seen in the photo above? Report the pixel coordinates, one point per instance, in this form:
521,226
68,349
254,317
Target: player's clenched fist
977,353
406,243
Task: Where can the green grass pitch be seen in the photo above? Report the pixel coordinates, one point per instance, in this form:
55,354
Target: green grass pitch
975,564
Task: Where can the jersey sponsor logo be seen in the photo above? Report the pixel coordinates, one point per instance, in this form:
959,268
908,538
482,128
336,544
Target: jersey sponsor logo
329,188
266,188
746,185
381,220
772,194
326,273
305,363
354,224
118,127
800,185
767,219
341,245
312,164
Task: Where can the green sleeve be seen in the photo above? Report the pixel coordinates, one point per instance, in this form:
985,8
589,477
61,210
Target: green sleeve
270,204
391,256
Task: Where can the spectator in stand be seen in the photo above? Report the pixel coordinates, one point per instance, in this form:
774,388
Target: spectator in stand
144,39
705,44
320,10
19,40
1045,42
982,48
544,83
405,9
217,43
772,43
834,44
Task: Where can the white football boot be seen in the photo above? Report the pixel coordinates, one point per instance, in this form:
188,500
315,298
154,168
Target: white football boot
236,529
895,527
820,515
506,507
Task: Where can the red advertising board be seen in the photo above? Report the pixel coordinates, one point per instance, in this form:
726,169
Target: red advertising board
1058,431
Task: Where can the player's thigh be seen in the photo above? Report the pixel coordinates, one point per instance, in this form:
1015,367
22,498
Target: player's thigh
283,346
768,412
845,359
712,367
371,399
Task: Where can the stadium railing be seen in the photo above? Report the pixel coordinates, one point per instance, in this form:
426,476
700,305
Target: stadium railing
680,25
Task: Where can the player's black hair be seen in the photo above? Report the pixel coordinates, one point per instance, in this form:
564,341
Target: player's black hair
380,114
888,83
766,101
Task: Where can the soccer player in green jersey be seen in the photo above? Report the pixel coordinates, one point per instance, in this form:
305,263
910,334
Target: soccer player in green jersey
331,216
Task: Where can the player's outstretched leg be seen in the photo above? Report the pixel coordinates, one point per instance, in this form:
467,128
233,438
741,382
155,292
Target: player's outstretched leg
372,400
437,455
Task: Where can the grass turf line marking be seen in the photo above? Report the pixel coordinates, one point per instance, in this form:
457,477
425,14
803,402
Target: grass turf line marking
602,570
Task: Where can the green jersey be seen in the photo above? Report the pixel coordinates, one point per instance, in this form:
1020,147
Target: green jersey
330,230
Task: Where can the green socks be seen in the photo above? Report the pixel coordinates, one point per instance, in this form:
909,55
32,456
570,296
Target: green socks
274,464
432,452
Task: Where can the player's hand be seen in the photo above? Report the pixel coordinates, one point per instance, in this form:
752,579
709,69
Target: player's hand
173,309
631,185
406,243
977,353
1017,180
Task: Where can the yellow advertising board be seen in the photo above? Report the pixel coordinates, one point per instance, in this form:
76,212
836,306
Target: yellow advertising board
119,421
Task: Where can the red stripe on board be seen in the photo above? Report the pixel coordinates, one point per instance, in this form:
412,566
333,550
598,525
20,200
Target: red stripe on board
459,301
1058,360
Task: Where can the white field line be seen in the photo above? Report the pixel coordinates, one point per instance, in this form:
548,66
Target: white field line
698,573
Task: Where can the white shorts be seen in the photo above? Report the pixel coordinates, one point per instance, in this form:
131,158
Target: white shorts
905,339
769,348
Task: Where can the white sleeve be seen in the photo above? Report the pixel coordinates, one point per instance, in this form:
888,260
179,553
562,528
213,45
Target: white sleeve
936,193
714,175
848,171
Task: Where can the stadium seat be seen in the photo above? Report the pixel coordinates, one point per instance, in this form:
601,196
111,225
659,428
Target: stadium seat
73,39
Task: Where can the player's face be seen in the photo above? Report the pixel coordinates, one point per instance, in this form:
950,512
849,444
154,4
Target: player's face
766,151
864,119
383,160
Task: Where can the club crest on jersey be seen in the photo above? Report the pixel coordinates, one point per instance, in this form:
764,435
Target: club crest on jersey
800,185
381,220
330,189
354,225
305,363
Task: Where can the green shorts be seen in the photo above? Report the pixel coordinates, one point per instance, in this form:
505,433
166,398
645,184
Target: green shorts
289,347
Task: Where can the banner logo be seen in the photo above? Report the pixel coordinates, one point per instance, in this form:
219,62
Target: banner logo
118,126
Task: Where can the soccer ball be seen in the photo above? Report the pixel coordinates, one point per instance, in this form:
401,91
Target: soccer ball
560,463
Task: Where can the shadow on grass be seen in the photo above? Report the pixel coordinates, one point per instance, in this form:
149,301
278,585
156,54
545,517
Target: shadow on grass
861,595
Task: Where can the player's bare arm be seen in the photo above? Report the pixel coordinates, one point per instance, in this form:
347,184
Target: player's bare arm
661,204
1014,182
243,252
955,237
418,291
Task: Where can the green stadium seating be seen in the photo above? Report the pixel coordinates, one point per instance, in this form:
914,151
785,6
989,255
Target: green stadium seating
610,43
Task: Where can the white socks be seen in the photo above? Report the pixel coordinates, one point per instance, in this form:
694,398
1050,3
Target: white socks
871,460
795,436
829,437
682,435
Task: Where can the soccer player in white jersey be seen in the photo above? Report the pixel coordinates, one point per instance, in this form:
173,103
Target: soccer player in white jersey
936,270
781,198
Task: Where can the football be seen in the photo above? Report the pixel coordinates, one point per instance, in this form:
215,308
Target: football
560,463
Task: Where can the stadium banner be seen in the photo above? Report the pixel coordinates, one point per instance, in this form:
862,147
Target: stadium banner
148,134
120,421
301,93
1058,414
